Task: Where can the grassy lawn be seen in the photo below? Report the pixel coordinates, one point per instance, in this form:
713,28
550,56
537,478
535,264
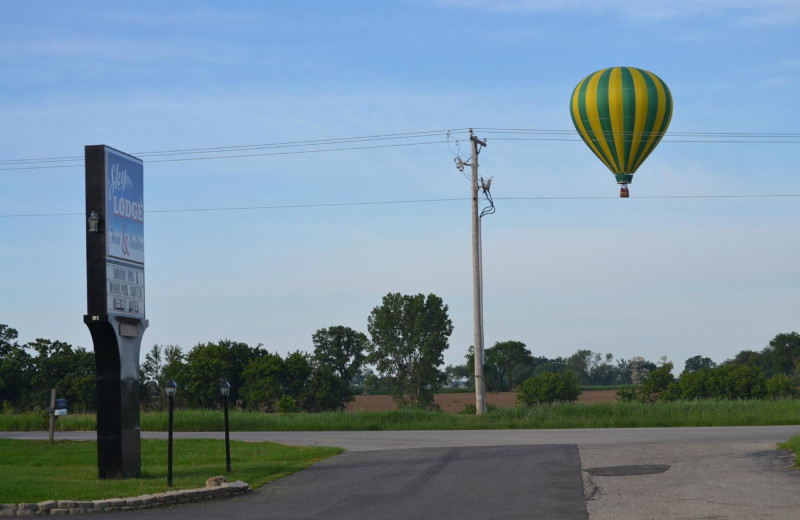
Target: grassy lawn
794,445
33,471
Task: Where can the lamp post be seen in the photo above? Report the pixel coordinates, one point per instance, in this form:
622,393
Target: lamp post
225,390
171,387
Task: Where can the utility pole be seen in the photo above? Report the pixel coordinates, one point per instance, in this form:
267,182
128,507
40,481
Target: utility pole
477,281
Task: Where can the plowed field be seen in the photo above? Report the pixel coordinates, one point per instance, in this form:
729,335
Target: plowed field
453,403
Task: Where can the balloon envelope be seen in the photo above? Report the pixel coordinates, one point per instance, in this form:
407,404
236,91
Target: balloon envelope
621,113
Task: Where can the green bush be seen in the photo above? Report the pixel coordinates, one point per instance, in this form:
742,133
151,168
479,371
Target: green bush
659,385
548,388
696,385
739,382
628,394
287,404
781,386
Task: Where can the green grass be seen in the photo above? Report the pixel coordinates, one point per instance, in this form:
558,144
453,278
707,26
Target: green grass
33,471
794,445
608,387
559,415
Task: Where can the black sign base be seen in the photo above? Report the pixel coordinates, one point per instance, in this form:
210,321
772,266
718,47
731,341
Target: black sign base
117,364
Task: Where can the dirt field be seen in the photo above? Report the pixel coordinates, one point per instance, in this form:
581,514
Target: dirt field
453,403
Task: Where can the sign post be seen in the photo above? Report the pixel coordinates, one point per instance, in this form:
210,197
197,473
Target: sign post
115,302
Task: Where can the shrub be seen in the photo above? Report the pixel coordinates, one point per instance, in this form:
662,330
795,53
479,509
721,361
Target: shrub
548,388
627,394
287,404
657,384
781,386
739,382
696,385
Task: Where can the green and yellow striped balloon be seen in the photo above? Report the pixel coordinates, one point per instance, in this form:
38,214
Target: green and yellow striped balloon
621,113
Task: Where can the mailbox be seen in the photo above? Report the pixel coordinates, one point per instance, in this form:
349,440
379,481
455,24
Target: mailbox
61,407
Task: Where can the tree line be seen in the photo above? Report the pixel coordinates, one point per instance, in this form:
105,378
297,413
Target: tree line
408,335
508,364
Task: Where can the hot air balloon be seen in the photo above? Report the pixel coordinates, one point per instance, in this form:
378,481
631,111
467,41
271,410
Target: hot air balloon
621,113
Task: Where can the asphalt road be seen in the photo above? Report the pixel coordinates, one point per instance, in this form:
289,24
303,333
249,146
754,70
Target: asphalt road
664,473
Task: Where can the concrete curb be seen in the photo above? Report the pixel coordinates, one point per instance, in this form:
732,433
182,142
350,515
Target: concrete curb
110,505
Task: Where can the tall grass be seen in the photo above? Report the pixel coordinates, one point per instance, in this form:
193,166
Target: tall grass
546,416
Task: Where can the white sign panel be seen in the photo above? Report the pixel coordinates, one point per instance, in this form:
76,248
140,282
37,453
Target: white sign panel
125,289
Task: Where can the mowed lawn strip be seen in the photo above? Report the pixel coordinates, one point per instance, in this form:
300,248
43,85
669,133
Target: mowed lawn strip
34,471
793,444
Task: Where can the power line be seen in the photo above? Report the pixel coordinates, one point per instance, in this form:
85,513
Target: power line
246,208
706,134
295,152
743,141
501,134
414,201
285,144
652,197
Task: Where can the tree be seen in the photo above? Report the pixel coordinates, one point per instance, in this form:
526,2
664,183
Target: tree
325,391
543,365
174,364
71,371
263,382
548,388
781,386
297,370
640,368
409,336
603,372
207,364
340,348
657,383
739,382
79,385
457,373
698,362
579,364
783,353
508,357
15,367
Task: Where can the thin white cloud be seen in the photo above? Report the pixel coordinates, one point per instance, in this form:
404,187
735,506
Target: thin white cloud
118,49
182,17
764,12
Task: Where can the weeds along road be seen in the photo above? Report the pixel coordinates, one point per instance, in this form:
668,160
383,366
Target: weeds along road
680,473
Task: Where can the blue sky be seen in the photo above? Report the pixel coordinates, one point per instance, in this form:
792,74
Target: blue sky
570,267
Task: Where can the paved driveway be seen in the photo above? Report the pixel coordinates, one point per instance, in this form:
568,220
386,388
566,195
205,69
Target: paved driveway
664,473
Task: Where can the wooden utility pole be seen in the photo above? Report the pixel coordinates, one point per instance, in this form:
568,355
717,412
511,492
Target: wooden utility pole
477,282
52,411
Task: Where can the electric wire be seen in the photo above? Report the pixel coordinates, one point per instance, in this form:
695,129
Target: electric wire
496,134
489,198
218,149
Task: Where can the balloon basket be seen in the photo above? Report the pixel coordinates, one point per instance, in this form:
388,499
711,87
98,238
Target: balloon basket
623,192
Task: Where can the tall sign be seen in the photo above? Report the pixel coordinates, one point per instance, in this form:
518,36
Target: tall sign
115,283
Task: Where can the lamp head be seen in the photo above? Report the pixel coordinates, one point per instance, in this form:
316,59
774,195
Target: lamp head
94,221
171,387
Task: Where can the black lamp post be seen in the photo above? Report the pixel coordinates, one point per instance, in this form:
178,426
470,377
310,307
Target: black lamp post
225,390
171,387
